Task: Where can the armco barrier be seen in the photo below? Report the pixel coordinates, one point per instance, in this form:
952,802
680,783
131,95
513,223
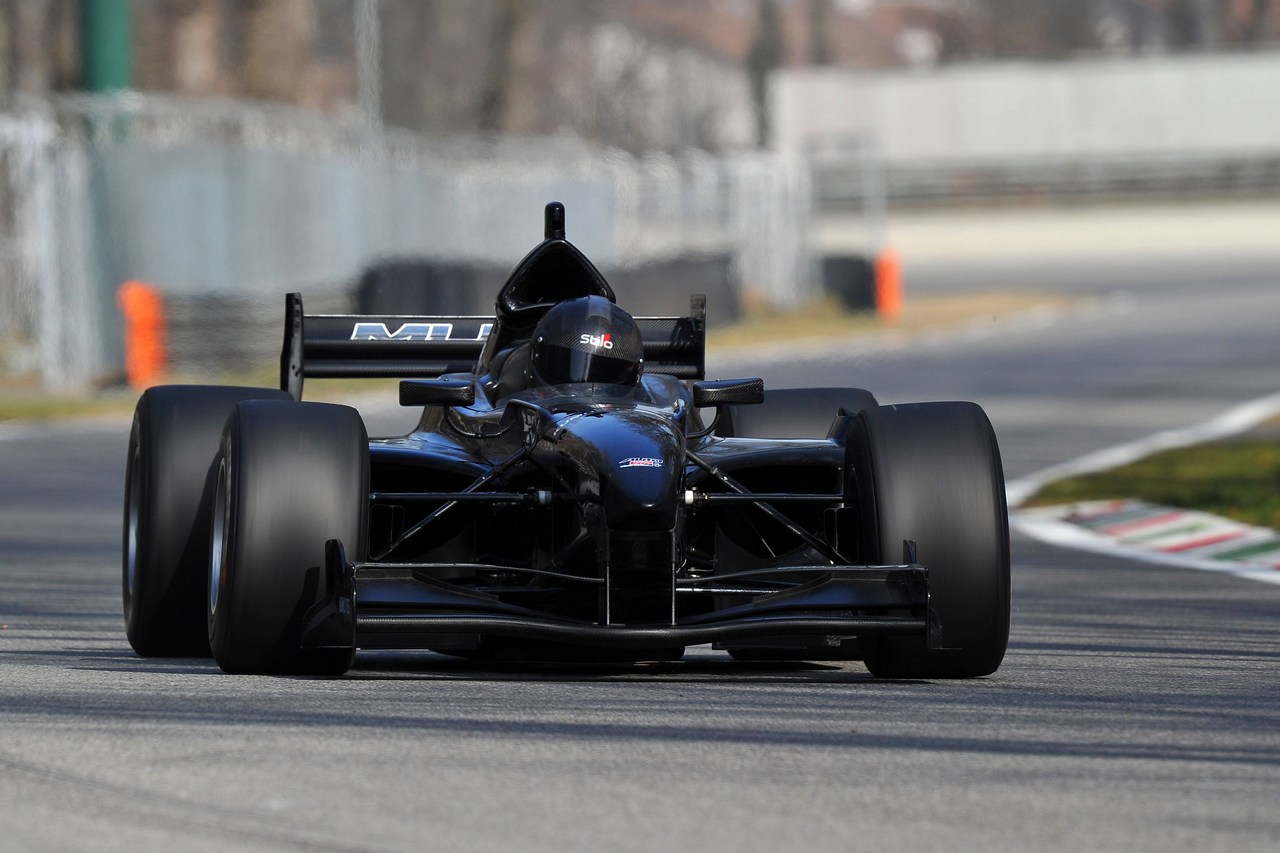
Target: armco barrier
425,286
664,287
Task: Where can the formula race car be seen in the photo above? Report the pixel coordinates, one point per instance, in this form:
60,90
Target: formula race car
574,490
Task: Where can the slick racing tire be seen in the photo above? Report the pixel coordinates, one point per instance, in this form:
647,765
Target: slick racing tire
931,472
289,477
175,436
793,413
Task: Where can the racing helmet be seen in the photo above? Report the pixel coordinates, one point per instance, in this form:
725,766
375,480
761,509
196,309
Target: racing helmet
586,340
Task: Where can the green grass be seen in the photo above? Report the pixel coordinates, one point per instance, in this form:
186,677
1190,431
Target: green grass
21,398
18,408
1236,479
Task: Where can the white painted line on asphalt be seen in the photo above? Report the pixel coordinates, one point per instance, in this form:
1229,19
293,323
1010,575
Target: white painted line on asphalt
9,429
1230,422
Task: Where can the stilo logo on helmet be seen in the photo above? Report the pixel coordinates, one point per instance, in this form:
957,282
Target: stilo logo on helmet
597,341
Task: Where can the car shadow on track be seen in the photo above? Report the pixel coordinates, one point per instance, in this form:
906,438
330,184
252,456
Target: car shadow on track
429,666
378,666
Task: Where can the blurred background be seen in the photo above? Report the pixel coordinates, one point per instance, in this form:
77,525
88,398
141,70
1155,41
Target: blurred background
394,155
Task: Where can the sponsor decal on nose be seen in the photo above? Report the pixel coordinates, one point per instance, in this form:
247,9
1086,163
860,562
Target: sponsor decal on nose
640,462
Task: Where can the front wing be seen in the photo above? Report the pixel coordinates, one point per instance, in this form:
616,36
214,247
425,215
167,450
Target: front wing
400,606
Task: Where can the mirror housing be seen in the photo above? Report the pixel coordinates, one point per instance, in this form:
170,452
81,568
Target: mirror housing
437,392
728,392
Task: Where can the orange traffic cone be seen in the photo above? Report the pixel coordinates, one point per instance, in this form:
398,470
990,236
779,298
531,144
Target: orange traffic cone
888,284
145,344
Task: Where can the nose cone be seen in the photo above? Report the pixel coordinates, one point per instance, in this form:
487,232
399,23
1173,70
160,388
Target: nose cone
639,457
642,493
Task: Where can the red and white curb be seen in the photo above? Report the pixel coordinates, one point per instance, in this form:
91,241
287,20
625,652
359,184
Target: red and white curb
1151,533
1159,534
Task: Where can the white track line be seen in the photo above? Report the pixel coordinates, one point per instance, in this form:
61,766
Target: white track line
1056,532
1230,422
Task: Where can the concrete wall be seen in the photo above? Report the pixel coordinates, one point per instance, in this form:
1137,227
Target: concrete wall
1227,106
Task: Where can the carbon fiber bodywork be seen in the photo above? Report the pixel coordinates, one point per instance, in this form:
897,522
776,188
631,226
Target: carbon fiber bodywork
596,521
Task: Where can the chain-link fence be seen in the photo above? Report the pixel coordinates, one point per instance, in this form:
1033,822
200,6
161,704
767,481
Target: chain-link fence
225,206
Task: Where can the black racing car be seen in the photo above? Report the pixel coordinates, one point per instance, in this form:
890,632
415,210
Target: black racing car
574,490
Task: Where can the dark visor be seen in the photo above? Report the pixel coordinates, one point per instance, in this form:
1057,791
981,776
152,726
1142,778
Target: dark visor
561,365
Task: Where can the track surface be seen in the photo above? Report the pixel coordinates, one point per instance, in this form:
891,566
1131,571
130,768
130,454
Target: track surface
1137,709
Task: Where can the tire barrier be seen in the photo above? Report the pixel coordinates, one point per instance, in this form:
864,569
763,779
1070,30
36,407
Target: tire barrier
864,284
211,334
850,280
663,287
409,285
421,286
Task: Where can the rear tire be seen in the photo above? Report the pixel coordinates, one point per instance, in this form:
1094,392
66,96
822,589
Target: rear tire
290,476
931,472
793,413
175,436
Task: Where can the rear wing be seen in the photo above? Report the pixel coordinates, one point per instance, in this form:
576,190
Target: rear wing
415,347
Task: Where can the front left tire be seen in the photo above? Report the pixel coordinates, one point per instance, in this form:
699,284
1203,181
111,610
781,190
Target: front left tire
289,477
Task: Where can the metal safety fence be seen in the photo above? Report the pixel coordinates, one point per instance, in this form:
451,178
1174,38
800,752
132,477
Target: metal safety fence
225,206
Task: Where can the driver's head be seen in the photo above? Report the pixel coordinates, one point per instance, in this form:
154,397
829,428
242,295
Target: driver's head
586,340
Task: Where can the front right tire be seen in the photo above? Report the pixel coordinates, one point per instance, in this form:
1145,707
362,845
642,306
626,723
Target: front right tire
175,435
931,472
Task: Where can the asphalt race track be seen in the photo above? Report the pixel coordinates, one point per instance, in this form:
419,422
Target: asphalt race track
1138,708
